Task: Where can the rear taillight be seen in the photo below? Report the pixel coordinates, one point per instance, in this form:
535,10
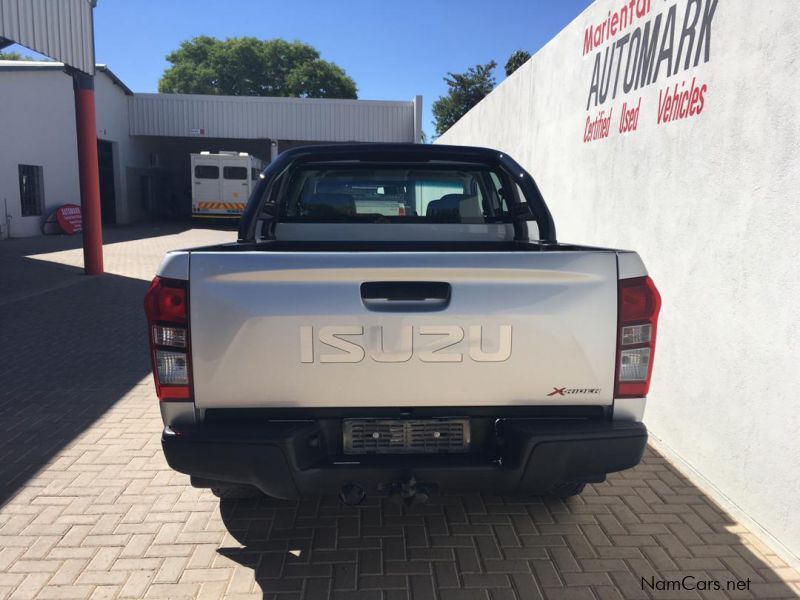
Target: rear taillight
167,306
639,303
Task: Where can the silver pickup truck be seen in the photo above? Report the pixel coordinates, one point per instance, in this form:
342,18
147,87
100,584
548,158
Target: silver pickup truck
400,319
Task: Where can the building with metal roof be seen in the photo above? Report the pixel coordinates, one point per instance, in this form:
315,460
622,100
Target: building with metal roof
145,140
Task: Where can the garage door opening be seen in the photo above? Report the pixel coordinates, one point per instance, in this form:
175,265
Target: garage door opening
108,199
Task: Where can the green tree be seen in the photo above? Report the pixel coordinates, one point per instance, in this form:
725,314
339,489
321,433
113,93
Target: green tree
465,90
247,66
13,56
516,60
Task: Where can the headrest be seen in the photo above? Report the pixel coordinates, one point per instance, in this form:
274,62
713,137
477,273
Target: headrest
446,206
328,204
454,206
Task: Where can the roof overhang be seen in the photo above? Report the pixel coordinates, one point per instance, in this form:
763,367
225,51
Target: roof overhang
60,29
42,66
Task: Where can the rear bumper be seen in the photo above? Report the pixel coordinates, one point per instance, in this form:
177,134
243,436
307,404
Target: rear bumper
292,459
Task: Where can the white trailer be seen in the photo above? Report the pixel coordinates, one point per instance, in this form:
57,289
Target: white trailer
222,182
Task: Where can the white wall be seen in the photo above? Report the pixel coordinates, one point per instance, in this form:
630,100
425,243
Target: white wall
37,127
712,203
131,155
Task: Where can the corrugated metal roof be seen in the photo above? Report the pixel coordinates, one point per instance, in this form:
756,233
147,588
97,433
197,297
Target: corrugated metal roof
60,29
305,119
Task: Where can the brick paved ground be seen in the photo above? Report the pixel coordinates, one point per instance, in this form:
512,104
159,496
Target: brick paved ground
90,509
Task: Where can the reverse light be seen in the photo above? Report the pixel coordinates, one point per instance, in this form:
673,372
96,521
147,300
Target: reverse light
172,368
166,306
636,334
639,305
634,364
169,336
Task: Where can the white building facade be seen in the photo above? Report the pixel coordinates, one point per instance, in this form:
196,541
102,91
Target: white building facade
144,140
672,128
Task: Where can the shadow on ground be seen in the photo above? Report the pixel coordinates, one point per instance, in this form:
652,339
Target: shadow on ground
648,526
112,234
23,277
68,353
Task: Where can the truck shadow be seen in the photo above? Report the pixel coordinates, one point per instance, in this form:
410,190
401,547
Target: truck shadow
71,347
634,536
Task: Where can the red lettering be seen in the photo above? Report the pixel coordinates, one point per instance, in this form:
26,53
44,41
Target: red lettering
629,119
674,105
597,128
684,105
587,40
703,90
615,22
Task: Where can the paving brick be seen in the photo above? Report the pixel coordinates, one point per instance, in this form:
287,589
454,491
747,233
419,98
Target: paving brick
370,562
546,573
485,580
446,575
93,511
473,594
525,553
345,576
422,587
65,592
382,582
431,554
467,560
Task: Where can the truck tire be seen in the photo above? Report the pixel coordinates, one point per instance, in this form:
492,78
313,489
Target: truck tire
567,489
236,492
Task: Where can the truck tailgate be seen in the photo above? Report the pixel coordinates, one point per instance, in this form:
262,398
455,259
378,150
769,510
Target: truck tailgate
298,329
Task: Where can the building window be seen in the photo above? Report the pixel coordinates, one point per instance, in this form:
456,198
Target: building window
31,190
206,172
234,172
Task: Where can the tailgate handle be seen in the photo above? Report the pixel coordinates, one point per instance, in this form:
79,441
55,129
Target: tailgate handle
405,296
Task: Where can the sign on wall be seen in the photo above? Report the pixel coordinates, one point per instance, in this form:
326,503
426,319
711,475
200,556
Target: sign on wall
69,218
636,46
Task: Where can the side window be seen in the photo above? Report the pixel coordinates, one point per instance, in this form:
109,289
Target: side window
206,172
254,173
31,190
234,172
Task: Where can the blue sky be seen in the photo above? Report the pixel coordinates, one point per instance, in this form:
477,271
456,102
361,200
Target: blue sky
393,50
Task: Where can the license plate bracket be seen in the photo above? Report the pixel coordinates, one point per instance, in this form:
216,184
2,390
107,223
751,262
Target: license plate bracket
406,436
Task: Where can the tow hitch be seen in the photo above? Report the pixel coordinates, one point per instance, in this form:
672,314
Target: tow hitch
352,494
407,492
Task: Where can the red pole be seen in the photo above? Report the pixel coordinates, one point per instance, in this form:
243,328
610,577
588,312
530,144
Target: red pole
83,86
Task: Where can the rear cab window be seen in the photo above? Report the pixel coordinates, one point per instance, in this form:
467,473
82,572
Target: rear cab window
461,194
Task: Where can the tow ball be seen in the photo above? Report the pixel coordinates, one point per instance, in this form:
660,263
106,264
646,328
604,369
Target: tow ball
407,492
352,494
